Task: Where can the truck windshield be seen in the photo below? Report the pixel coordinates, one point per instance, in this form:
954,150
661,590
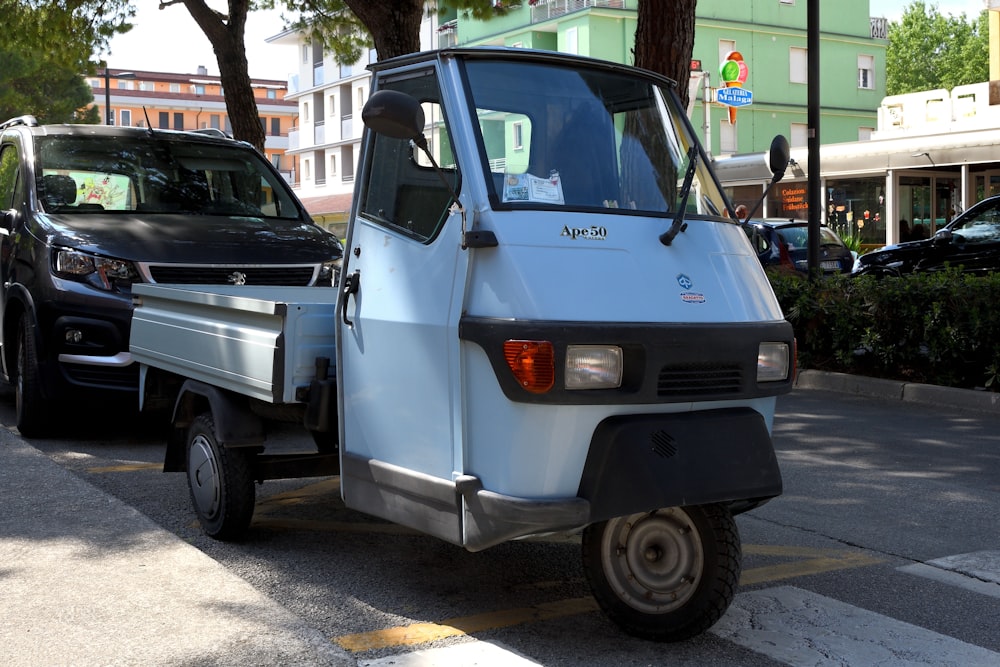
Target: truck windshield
84,174
566,137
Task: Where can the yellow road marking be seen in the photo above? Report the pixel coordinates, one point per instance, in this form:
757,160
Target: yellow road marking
127,467
420,633
815,561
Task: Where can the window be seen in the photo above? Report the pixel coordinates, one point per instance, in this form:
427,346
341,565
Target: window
305,112
572,45
333,165
8,177
305,53
175,87
199,89
517,132
399,192
865,133
272,94
126,85
866,72
275,127
361,97
306,171
800,134
726,46
798,71
126,117
727,136
164,120
215,121
146,85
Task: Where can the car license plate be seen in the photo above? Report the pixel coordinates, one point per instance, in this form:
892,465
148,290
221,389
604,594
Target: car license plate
830,265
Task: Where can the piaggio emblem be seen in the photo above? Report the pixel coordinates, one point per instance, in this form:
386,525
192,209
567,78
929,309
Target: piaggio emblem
237,278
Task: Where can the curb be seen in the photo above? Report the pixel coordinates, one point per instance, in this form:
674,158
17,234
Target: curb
911,392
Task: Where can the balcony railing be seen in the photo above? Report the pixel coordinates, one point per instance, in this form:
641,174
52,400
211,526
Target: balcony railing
319,133
545,10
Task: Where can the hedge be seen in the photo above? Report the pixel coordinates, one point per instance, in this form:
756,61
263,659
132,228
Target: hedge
938,328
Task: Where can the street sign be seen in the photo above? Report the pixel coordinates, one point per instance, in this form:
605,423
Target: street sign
734,97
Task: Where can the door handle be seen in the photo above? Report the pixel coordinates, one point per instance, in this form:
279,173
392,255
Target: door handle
351,285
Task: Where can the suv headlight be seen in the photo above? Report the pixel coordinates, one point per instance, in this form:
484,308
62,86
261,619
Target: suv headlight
104,273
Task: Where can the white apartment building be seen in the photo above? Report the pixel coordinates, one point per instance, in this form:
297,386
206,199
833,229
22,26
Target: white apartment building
324,145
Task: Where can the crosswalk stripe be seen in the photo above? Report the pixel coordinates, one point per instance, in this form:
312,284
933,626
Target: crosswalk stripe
978,571
798,627
480,654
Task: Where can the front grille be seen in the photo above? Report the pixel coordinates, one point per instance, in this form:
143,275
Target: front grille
299,274
699,380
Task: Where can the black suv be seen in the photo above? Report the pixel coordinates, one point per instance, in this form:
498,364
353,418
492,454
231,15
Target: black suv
88,210
970,242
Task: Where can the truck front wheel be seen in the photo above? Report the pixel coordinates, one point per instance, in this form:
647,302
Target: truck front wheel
665,575
222,488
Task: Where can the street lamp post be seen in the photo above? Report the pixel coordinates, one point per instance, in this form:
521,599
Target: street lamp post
108,117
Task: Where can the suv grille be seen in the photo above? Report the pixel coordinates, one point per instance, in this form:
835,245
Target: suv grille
299,274
699,380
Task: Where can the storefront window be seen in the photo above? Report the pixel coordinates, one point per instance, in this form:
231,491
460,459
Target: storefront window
856,208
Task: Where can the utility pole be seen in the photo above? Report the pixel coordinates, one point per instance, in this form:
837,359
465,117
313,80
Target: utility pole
814,196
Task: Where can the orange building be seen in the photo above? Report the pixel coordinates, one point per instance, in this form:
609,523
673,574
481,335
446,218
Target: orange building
190,102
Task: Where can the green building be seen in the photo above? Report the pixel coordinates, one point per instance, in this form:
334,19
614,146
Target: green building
769,34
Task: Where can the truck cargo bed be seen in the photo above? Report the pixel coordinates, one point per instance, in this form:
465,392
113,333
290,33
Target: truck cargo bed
260,341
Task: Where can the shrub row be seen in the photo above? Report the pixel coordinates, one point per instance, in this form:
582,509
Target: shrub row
938,328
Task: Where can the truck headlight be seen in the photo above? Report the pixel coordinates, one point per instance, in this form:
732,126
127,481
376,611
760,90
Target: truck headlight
593,366
772,362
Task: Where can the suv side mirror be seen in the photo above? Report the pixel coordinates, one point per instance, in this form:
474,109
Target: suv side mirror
8,220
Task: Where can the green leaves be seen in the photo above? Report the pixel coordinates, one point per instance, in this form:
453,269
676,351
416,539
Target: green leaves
928,50
939,328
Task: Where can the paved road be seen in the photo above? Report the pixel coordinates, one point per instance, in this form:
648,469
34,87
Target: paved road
884,549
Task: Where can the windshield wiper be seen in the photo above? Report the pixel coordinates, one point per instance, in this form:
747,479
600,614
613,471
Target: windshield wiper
678,226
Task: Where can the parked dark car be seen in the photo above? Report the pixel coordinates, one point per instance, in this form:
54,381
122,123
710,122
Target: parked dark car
88,210
785,242
971,241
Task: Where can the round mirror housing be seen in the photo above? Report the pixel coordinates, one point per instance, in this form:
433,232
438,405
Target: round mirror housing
394,114
778,157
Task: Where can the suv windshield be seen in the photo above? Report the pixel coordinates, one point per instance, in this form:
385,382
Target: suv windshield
564,137
84,174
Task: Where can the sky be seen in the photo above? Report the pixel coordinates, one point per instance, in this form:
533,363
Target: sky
169,40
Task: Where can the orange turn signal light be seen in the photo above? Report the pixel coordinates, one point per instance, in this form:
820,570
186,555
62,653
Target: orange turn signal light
533,363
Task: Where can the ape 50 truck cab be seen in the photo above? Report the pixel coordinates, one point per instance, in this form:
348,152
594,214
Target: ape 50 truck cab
548,320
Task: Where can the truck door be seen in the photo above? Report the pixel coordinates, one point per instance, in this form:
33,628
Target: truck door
398,332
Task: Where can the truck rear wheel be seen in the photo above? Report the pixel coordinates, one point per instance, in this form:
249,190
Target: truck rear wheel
665,575
221,483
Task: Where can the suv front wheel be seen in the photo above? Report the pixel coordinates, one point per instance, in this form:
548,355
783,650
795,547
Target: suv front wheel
29,403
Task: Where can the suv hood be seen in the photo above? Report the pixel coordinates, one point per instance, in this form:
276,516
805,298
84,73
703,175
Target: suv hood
212,239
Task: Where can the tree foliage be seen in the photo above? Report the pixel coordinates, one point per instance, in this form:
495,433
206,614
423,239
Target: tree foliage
348,27
928,50
50,91
47,82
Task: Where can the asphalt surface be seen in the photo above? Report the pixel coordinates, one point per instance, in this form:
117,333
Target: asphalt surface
86,579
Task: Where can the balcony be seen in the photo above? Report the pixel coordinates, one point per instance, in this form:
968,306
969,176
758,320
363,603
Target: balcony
319,133
317,74
546,10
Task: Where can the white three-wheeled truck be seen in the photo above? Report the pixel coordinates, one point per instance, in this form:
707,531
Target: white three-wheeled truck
547,320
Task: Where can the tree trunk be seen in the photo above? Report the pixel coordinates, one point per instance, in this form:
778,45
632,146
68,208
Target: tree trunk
226,34
664,40
394,26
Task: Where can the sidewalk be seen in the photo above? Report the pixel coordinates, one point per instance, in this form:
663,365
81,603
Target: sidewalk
963,399
87,580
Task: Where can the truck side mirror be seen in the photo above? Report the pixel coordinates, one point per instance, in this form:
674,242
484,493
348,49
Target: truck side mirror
395,115
779,157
